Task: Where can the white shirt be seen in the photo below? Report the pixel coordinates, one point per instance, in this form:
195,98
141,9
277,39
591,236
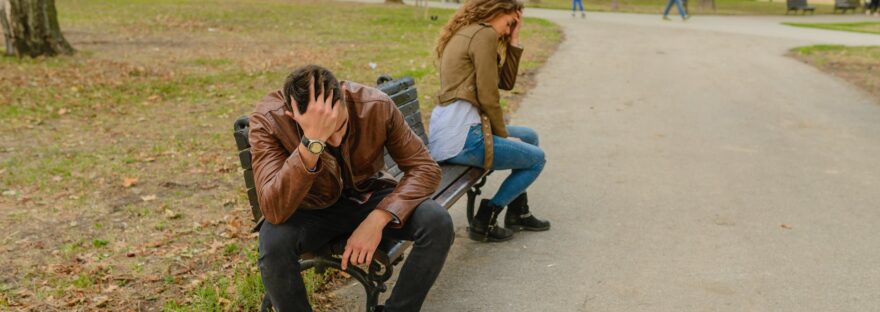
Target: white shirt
449,128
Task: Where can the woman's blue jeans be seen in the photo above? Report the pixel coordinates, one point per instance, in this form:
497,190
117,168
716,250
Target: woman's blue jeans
525,159
576,3
677,4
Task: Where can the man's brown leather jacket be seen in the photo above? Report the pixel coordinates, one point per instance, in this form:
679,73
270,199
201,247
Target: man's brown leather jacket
284,185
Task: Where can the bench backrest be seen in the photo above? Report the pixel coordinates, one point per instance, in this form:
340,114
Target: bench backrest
402,91
796,3
846,3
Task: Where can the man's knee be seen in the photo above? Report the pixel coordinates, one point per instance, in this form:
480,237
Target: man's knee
277,241
435,221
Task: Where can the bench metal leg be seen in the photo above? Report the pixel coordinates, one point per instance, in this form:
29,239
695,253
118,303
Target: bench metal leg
373,281
472,198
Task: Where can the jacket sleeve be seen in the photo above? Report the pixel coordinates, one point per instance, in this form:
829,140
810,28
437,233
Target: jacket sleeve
483,52
507,72
421,175
282,180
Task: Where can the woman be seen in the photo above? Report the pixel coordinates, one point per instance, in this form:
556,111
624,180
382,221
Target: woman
479,52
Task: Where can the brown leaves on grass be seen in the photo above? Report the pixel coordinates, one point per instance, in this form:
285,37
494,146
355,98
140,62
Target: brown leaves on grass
129,182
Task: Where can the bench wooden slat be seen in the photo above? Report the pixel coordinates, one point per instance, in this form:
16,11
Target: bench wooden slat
255,203
409,108
395,171
389,161
402,98
450,174
244,156
249,178
395,86
414,120
459,187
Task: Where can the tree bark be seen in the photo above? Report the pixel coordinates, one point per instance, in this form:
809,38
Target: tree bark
31,28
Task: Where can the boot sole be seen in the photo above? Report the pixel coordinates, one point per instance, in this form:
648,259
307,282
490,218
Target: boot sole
519,228
479,237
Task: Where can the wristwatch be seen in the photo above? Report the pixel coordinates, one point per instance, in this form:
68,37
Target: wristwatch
314,146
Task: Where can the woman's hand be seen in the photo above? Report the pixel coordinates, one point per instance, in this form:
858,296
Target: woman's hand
514,33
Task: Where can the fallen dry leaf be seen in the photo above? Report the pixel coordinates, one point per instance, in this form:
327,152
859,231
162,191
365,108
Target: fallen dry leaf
148,197
170,214
129,182
100,301
785,226
110,288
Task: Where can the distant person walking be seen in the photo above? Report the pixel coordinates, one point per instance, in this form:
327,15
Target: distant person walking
579,3
684,15
873,7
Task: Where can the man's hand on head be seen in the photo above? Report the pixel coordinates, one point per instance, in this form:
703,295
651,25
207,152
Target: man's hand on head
319,121
363,242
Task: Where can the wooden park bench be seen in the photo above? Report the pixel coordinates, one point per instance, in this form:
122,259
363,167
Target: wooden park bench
844,5
795,5
456,181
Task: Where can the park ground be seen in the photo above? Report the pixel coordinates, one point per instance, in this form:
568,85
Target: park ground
691,166
121,188
722,7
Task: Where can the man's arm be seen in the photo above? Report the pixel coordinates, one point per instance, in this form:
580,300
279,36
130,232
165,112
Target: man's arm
421,175
421,178
282,180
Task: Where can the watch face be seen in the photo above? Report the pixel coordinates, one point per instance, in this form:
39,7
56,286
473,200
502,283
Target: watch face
316,147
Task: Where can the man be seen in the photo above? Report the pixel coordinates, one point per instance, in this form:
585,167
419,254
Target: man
317,149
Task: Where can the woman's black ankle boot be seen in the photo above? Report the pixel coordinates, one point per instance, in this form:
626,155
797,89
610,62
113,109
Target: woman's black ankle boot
484,227
519,218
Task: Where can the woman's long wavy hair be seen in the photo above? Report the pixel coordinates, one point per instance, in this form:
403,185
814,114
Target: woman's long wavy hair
477,11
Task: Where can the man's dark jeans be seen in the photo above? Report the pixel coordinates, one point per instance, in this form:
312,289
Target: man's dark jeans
429,227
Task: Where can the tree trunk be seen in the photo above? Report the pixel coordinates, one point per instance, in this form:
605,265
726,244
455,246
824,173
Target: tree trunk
31,28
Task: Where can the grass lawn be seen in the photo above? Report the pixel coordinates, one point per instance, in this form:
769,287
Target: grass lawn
722,7
120,184
863,27
858,65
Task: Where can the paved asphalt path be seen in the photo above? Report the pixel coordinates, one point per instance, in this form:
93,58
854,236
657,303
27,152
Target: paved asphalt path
691,167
